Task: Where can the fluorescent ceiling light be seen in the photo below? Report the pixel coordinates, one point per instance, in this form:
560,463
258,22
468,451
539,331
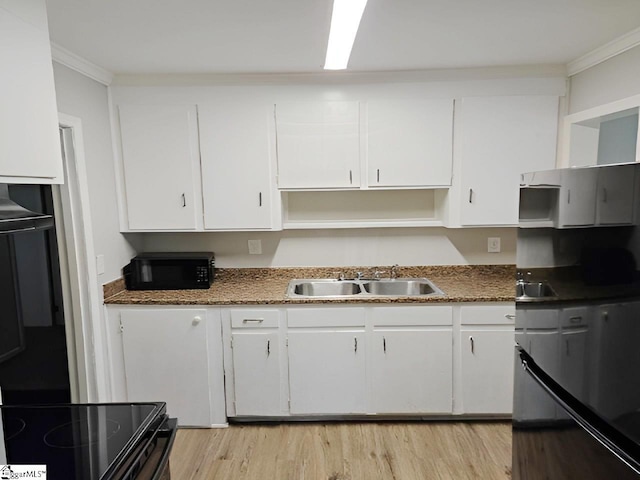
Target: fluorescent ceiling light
345,20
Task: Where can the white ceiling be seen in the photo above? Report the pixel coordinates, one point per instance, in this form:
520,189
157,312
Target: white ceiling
256,36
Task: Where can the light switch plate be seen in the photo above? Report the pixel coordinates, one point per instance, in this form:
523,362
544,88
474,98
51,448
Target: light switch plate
493,245
255,247
100,264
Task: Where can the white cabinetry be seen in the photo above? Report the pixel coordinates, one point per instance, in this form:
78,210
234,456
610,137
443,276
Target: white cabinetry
166,358
161,166
412,359
499,139
318,144
615,195
577,198
327,361
236,165
29,139
409,142
487,349
256,354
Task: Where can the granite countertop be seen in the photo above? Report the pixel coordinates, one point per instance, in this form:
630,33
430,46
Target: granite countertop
260,286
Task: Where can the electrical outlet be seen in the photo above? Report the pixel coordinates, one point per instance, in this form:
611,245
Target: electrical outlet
493,245
255,247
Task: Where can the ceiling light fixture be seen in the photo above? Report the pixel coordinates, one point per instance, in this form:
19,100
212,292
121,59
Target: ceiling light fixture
345,20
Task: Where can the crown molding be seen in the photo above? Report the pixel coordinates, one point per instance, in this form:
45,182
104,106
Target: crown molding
80,64
605,52
342,77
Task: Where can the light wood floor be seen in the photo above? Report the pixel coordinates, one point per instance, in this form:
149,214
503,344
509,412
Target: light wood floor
345,451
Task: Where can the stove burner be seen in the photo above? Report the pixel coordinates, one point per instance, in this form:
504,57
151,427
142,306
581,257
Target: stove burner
78,434
13,426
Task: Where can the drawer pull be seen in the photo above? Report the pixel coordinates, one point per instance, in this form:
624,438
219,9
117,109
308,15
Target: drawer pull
196,320
253,320
575,319
510,316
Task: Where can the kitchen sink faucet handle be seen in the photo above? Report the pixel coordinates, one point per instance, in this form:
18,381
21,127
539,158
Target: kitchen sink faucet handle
394,271
339,276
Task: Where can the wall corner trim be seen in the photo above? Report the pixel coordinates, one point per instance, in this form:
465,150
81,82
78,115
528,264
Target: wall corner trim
605,52
80,64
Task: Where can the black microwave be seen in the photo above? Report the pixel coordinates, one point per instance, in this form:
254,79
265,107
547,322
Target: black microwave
170,271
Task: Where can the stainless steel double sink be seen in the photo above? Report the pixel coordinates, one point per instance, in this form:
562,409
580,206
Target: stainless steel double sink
534,291
327,288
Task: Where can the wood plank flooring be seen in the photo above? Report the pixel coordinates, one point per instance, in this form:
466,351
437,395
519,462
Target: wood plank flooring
345,451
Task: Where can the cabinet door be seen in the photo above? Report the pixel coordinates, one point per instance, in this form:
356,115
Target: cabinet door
577,198
412,371
165,358
573,356
29,138
236,172
487,370
256,372
161,161
614,203
409,143
318,144
501,138
327,372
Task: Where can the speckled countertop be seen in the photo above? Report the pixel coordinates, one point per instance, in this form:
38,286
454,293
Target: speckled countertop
260,286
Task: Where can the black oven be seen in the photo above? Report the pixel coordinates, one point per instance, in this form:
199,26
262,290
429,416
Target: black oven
170,271
115,441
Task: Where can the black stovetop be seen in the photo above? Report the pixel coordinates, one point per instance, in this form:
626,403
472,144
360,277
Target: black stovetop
76,441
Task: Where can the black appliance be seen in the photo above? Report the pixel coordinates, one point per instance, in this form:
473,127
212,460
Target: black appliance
577,382
170,271
123,441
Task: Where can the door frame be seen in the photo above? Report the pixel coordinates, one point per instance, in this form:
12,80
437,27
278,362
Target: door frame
78,272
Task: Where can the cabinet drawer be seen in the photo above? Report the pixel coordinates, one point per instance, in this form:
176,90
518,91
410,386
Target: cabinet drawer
575,317
254,318
410,316
488,315
325,317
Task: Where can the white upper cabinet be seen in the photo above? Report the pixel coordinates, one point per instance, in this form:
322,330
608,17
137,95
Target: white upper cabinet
614,201
499,139
318,144
409,143
236,165
29,139
161,166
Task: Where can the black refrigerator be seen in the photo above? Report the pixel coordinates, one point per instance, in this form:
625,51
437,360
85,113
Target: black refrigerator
577,378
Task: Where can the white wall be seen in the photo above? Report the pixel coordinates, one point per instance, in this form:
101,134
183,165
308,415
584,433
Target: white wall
606,82
87,99
348,247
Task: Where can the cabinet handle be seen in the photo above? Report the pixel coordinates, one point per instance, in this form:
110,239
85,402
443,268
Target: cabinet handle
604,195
567,344
253,320
470,195
510,316
268,347
575,319
355,344
384,344
569,196
184,201
351,177
260,199
473,346
605,316
196,320
378,175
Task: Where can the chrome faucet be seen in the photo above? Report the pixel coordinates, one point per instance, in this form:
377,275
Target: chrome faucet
394,271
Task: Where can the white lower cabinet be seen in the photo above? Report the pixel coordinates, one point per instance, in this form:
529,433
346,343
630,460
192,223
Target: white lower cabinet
327,372
487,359
166,358
412,371
256,372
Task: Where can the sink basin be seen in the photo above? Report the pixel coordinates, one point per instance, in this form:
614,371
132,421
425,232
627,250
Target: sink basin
324,288
527,291
401,287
